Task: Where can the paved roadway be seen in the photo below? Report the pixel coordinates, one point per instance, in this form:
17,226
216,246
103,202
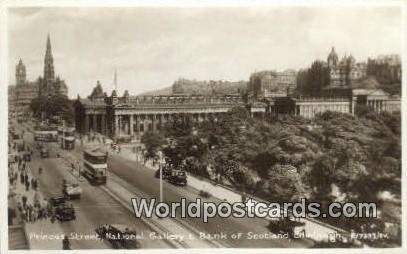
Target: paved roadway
94,208
145,184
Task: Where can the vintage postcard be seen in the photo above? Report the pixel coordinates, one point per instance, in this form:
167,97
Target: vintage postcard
264,126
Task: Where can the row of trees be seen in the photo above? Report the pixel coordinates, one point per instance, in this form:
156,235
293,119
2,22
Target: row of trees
311,81
53,106
333,157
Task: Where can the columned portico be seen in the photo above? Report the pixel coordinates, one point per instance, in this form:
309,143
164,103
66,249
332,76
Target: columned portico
94,123
131,127
103,124
86,123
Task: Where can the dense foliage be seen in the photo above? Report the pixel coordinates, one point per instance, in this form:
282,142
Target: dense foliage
53,106
334,157
311,81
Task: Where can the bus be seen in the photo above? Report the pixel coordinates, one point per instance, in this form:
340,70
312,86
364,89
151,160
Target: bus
46,136
95,166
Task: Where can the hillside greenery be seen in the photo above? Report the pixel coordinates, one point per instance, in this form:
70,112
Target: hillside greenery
334,157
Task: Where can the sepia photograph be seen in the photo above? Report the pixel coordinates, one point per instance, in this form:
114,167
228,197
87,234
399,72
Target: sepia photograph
196,127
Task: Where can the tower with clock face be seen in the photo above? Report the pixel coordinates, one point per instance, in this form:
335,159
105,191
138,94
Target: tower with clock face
20,74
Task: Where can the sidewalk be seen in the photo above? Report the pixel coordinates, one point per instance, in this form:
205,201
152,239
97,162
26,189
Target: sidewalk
38,232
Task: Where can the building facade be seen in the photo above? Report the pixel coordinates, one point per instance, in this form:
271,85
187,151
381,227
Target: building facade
346,71
129,116
49,84
308,107
23,92
266,84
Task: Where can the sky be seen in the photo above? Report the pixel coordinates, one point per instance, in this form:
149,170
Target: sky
151,47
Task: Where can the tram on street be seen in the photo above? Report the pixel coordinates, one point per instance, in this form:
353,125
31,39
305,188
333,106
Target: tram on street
95,166
67,137
46,136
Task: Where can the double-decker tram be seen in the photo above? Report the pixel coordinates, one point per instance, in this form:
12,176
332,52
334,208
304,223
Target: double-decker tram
95,166
67,138
46,136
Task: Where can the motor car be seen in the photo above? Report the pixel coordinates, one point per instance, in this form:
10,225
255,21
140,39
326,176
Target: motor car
166,171
71,190
65,212
57,200
178,177
44,153
119,236
285,225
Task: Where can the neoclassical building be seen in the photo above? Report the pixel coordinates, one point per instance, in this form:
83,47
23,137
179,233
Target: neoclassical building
129,116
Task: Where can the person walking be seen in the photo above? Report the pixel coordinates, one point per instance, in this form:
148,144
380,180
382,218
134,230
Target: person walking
22,178
24,215
66,245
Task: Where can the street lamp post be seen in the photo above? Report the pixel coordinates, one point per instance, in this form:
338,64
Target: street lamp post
160,166
161,183
63,134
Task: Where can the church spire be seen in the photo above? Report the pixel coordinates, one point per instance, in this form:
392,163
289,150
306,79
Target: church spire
115,79
49,73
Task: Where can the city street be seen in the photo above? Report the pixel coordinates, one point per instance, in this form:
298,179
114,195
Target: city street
207,128
94,209
142,181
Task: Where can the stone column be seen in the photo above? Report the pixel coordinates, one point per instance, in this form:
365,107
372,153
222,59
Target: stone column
103,124
116,126
153,122
131,127
86,123
137,118
125,121
95,123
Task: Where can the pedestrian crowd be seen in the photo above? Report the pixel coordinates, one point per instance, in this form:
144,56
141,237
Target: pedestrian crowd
20,174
